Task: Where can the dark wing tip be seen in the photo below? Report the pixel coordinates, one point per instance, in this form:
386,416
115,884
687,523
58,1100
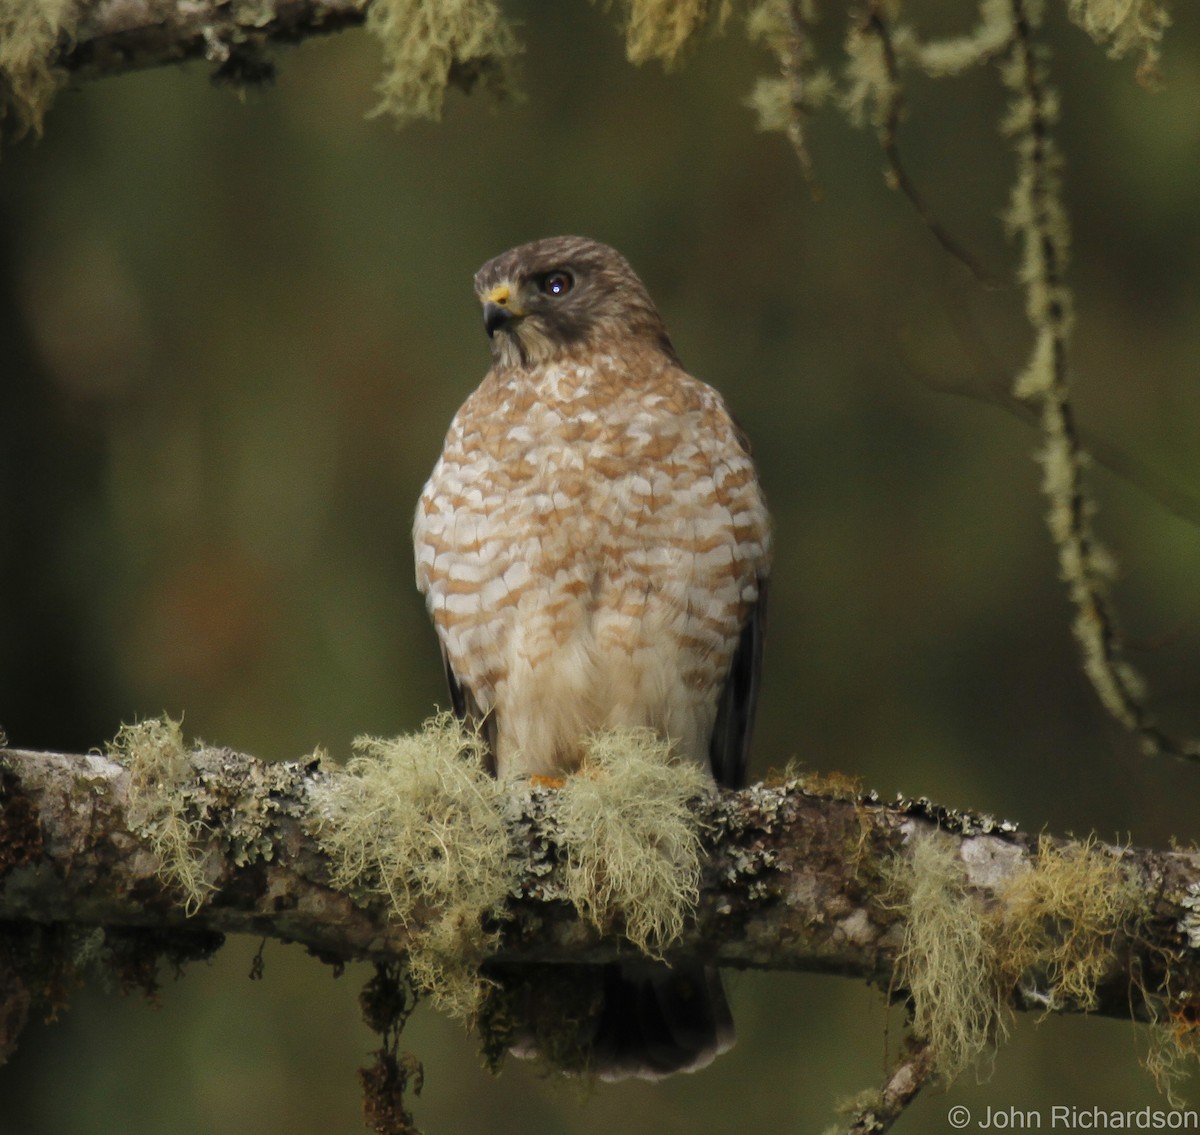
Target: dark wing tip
467,710
729,747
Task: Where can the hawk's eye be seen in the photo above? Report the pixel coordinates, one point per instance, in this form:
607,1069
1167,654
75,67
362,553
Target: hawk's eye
557,283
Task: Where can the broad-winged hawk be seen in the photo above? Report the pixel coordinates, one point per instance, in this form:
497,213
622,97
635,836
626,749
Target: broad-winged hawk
593,546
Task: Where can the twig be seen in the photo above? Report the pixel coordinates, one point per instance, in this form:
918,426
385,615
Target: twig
875,23
876,1115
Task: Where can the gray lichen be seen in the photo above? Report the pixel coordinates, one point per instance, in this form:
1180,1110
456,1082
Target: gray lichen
204,810
1189,924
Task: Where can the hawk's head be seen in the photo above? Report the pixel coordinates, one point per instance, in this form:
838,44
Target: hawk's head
564,294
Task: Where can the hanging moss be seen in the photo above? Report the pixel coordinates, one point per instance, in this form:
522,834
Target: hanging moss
949,961
1058,921
661,29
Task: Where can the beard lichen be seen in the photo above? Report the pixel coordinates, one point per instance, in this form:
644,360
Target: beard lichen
948,961
661,29
1174,1045
417,820
1047,935
429,47
630,837
1059,922
30,30
418,823
162,781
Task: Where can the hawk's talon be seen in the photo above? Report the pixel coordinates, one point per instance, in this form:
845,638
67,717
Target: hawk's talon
547,781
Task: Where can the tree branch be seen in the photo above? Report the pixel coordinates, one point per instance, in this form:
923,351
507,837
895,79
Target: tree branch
794,879
879,1111
116,36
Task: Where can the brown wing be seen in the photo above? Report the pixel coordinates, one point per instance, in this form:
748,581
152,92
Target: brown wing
729,747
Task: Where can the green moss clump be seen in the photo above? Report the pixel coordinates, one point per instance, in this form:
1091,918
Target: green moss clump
418,822
1059,920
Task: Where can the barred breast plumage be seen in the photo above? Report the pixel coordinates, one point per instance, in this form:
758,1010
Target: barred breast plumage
591,546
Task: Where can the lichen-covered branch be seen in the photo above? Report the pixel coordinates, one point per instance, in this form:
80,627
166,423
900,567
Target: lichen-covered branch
877,92
947,906
786,102
45,44
125,35
876,1111
426,47
1006,34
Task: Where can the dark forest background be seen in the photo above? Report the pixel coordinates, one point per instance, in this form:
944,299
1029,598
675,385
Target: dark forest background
232,334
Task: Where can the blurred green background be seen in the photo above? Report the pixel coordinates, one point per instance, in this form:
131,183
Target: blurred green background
232,336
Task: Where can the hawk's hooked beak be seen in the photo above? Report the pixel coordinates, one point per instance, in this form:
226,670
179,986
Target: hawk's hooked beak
499,310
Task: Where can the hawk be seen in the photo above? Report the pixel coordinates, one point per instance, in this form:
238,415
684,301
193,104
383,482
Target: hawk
593,546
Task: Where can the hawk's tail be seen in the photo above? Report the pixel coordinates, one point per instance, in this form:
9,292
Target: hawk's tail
657,1020
643,1019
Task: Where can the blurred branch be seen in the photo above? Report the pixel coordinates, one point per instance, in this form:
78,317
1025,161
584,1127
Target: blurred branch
427,48
794,880
1169,494
878,1113
874,22
116,36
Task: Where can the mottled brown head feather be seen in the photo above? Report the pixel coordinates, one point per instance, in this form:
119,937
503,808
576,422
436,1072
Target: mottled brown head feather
532,318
